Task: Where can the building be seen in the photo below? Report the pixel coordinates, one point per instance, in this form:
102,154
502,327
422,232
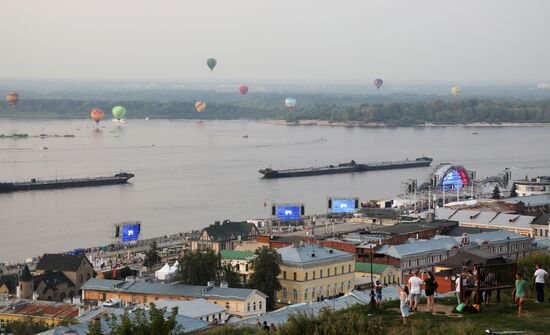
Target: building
541,225
534,186
311,272
530,205
77,268
198,308
516,223
468,259
224,235
241,261
387,274
8,286
380,216
504,243
238,301
50,313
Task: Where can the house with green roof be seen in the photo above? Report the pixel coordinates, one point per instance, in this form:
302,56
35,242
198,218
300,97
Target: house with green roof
241,261
386,273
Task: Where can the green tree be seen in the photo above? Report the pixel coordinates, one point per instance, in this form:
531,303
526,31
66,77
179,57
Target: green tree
152,257
266,269
198,267
496,193
145,322
94,328
26,327
228,274
526,266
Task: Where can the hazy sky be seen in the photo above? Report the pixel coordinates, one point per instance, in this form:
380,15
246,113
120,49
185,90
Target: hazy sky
276,39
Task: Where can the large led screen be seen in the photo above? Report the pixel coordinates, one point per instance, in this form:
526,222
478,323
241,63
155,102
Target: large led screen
343,205
130,232
287,213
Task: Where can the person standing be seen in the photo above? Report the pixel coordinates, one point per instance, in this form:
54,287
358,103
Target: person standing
457,289
378,293
520,292
415,289
430,287
404,306
540,277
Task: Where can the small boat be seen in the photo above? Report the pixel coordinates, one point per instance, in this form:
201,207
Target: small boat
245,136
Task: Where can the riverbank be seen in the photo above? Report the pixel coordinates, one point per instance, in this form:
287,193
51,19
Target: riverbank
327,123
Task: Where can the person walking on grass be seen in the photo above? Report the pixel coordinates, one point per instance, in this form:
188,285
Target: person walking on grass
378,293
430,288
415,289
540,278
404,302
520,292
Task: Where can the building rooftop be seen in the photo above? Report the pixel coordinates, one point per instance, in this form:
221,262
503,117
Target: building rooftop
60,262
415,247
496,219
496,236
471,257
11,282
177,290
237,254
52,279
542,219
376,268
384,213
529,201
310,254
44,309
192,308
227,230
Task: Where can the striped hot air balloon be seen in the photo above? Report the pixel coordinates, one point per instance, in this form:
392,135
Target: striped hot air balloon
12,98
200,106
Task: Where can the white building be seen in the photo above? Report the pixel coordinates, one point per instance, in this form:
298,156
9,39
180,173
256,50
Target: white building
197,308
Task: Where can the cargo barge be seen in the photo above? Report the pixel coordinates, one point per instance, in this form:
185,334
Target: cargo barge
34,184
346,168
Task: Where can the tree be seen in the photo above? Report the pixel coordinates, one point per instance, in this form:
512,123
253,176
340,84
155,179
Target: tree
25,327
228,274
94,328
496,193
266,269
145,322
152,257
526,266
198,267
513,191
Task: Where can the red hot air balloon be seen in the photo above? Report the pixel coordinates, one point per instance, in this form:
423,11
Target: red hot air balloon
12,98
243,89
97,115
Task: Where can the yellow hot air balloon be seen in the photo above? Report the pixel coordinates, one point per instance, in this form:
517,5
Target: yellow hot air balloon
455,91
200,106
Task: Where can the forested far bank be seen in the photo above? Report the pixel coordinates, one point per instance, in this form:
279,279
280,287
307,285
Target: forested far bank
460,111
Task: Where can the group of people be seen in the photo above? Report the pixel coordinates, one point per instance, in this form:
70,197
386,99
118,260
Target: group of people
520,290
409,296
269,329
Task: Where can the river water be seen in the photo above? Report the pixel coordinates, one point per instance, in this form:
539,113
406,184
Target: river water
190,173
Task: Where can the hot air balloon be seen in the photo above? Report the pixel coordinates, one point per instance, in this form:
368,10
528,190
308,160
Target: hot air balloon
243,89
200,106
455,91
378,83
211,62
96,115
119,112
12,98
290,103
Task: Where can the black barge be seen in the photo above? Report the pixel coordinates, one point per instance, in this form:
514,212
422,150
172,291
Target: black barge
346,168
34,184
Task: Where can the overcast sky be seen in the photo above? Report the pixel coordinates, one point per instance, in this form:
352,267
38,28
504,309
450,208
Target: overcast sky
329,40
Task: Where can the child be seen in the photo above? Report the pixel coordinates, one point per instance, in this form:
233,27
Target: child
520,292
378,296
404,297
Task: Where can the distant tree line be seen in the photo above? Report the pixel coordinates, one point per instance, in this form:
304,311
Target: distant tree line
337,109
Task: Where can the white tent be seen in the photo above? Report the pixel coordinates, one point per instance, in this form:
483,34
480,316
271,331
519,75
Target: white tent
164,272
174,268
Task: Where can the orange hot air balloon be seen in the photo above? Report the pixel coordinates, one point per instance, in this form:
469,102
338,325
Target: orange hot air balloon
97,115
12,98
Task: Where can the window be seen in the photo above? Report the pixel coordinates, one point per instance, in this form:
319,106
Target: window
349,267
320,291
313,294
254,305
238,267
349,285
313,274
284,274
328,291
103,296
246,267
306,275
248,307
144,299
305,295
133,299
284,294
294,295
328,272
342,287
294,276
321,273
335,271
342,269
227,305
260,305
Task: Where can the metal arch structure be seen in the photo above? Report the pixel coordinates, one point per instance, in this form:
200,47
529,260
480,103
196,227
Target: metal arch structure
448,176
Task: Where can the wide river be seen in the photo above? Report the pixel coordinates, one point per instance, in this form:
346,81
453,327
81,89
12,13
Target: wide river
191,173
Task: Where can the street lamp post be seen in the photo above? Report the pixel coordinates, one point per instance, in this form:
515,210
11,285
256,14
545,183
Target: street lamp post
371,280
